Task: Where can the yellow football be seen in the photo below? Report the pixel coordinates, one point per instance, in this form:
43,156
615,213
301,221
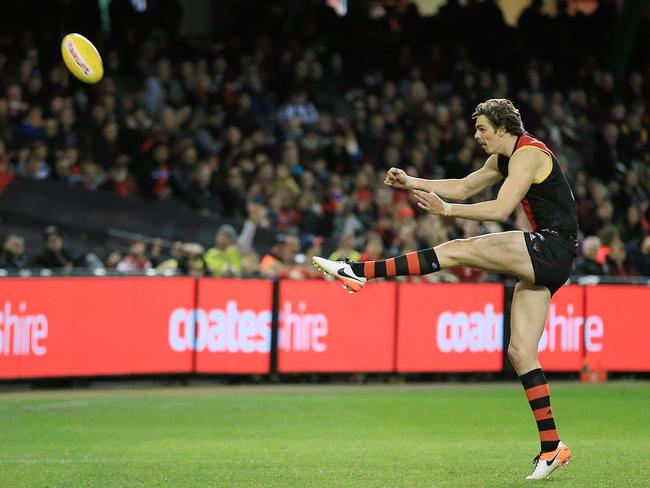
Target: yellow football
81,58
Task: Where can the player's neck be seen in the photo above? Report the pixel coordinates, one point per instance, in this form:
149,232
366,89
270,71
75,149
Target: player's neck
508,145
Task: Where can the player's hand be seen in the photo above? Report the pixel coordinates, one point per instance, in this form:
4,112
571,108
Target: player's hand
397,178
430,202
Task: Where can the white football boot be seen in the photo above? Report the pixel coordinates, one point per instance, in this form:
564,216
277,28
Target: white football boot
340,270
547,462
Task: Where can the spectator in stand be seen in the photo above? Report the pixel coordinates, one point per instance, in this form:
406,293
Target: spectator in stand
284,185
53,141
13,255
234,194
272,263
119,181
66,165
53,255
90,176
113,259
631,228
155,252
299,108
309,215
183,170
200,195
313,248
172,264
607,235
32,127
374,248
154,177
346,249
257,219
606,161
34,166
344,221
4,160
295,265
16,105
224,259
405,239
282,213
640,257
617,262
136,261
250,265
586,264
192,263
107,146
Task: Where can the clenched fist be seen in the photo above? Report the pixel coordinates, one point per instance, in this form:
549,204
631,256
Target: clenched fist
397,178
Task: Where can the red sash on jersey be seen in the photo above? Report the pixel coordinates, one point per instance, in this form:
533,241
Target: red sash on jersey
523,141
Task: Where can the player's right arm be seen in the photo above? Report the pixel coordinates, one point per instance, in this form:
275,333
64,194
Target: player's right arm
453,189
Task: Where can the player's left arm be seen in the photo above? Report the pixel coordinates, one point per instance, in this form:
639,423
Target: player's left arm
522,169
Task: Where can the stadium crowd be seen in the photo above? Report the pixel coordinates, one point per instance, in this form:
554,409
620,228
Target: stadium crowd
289,120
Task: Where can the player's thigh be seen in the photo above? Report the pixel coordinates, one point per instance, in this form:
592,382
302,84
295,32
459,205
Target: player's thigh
501,252
529,310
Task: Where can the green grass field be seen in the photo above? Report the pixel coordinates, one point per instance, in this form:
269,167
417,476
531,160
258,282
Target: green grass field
352,436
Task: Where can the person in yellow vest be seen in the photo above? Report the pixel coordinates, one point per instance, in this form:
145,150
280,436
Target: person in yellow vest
346,249
224,259
170,266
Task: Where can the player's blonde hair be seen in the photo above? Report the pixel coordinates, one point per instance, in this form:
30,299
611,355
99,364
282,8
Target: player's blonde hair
502,114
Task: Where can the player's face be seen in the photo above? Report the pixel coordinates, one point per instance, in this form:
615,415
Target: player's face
486,135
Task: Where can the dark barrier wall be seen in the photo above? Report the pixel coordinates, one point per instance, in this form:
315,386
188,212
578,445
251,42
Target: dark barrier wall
42,203
121,326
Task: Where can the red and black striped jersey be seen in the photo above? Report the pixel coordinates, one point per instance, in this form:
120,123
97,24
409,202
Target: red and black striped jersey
549,203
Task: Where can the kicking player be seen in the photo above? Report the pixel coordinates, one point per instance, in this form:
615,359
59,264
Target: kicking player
541,259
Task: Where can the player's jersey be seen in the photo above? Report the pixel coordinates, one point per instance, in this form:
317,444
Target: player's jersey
549,203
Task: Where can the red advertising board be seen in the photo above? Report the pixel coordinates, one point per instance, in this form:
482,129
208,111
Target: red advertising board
233,326
561,345
450,327
90,326
617,328
118,326
325,329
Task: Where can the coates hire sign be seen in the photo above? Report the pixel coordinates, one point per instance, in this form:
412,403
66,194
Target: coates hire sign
121,326
319,329
460,328
233,328
22,333
90,326
443,327
623,327
341,332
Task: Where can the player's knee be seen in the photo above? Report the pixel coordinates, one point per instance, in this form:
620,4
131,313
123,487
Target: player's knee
519,355
453,253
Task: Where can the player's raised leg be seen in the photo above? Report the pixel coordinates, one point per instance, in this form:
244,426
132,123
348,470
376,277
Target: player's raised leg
529,310
503,252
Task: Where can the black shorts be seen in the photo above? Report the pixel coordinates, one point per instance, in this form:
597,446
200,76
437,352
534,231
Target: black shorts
552,256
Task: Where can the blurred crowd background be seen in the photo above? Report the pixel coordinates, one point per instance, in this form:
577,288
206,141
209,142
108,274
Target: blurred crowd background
282,116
